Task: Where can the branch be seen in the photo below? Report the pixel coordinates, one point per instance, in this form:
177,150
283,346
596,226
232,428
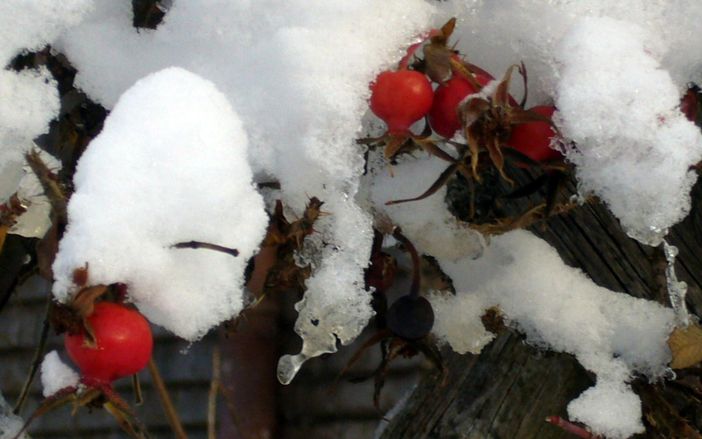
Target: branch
166,402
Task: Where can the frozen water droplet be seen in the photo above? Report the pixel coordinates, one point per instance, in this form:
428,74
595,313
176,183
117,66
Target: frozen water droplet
652,236
289,366
186,349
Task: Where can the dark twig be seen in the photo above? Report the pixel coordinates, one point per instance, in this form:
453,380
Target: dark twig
36,361
414,289
166,402
208,246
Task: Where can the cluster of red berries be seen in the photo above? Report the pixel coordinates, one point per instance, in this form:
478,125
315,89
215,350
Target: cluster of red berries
402,97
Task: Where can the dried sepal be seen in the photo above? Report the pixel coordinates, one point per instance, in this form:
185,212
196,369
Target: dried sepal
525,83
501,95
504,225
9,211
53,189
495,153
437,55
438,184
433,149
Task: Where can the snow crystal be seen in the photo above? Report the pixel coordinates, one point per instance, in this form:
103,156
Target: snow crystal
56,375
169,166
634,147
558,307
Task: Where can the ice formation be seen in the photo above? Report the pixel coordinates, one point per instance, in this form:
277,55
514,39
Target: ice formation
56,375
170,166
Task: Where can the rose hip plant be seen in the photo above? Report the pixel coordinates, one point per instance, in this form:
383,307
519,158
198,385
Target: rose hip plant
495,151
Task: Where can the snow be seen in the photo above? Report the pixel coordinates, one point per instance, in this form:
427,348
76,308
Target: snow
10,423
56,375
228,93
638,161
609,408
35,221
615,71
298,73
28,99
558,307
170,166
427,223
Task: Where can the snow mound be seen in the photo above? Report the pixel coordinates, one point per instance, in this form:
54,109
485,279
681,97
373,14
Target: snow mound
170,166
558,307
298,73
634,148
56,375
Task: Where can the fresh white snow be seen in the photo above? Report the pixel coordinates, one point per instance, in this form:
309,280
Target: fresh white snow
558,307
224,94
170,166
56,375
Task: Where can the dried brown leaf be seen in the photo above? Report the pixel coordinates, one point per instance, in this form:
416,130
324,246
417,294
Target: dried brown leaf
685,346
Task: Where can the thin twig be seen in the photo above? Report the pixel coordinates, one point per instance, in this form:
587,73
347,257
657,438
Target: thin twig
208,246
36,361
212,396
416,281
166,402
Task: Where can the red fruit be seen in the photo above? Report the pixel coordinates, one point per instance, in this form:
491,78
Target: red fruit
401,98
123,344
443,116
533,138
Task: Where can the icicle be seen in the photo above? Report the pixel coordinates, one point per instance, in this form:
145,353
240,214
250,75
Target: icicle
676,289
289,365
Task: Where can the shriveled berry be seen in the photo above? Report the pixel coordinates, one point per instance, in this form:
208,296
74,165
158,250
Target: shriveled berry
410,317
